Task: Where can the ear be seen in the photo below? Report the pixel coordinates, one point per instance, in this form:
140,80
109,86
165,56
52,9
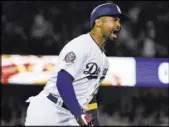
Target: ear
98,22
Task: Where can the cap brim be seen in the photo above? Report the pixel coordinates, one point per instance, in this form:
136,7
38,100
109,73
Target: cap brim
123,17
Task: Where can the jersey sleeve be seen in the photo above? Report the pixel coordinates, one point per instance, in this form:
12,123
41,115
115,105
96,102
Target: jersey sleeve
71,60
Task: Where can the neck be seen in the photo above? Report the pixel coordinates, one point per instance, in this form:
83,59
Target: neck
98,37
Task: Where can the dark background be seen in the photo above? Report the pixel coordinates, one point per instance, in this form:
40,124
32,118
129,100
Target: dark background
43,28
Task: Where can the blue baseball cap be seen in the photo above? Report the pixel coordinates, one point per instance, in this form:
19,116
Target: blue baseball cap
107,9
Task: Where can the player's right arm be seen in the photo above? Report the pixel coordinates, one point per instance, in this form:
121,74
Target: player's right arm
71,62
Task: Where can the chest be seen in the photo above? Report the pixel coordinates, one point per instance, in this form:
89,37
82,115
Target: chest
96,64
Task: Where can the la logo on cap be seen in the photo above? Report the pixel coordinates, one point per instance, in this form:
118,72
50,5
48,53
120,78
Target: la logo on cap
118,9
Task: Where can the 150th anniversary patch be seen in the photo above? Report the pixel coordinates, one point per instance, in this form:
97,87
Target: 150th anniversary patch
70,57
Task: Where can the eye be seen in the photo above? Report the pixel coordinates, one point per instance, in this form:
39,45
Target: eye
116,19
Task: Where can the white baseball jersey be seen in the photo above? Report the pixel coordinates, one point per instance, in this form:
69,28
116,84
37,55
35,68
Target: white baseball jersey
86,62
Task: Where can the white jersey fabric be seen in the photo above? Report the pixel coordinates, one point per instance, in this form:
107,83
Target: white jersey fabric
86,62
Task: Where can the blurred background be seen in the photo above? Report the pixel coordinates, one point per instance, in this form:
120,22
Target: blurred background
44,27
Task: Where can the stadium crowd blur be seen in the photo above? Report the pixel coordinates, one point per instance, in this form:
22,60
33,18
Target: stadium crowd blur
43,28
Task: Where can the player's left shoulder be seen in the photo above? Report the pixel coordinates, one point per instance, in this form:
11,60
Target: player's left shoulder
74,44
80,41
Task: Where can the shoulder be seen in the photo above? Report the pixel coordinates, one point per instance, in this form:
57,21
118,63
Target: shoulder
80,40
80,43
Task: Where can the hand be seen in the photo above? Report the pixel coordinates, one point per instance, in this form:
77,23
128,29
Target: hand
85,120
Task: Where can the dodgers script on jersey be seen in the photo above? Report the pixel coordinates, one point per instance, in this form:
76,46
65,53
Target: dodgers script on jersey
86,62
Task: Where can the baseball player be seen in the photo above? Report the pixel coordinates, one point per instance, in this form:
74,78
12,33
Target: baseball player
69,97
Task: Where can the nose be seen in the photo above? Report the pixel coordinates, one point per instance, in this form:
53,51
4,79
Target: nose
118,22
118,25
118,28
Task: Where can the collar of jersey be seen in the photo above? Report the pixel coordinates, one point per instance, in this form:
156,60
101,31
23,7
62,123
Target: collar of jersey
101,48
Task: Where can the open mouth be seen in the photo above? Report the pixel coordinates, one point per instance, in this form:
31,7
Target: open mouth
116,31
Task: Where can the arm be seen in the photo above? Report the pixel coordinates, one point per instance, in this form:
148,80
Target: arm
70,63
65,88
